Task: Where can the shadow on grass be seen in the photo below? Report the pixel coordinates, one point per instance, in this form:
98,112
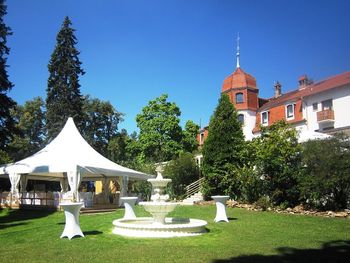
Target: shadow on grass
337,251
92,233
16,217
232,218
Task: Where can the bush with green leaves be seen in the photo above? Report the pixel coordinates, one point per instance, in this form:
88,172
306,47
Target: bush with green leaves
325,184
142,187
182,170
278,162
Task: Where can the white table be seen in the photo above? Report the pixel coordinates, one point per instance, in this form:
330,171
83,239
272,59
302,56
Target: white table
220,201
129,203
72,227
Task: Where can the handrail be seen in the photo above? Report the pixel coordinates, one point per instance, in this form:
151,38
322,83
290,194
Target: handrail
194,187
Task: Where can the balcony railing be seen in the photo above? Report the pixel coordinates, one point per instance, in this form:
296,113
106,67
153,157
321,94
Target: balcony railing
325,116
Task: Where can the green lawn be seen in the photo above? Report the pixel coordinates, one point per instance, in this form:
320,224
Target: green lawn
34,236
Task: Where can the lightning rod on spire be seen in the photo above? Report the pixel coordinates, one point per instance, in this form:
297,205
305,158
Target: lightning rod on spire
237,54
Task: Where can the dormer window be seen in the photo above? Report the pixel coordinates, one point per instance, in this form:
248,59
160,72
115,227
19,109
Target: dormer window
290,111
265,118
239,98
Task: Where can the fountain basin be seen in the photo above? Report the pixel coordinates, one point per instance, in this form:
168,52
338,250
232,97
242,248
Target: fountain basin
172,227
159,210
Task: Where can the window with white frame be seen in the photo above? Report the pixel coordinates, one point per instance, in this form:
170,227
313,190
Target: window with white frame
315,106
265,118
290,111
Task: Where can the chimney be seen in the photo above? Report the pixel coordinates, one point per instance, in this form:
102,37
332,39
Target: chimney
304,81
278,89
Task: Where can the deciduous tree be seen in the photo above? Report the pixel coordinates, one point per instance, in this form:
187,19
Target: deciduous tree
160,133
31,125
278,162
326,182
189,139
101,123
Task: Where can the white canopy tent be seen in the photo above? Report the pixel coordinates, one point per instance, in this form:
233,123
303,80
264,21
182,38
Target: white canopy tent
70,157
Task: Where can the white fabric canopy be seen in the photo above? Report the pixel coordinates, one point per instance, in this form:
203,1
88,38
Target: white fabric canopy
69,155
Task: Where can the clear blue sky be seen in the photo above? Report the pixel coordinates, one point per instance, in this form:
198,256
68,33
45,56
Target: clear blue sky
134,51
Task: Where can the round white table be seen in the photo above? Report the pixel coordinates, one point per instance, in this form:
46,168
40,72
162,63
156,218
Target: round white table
220,201
72,227
129,203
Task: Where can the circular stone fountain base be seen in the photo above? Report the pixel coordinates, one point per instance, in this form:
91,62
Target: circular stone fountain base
146,227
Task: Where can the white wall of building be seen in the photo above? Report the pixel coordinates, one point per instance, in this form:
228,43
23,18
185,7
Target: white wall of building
341,107
249,123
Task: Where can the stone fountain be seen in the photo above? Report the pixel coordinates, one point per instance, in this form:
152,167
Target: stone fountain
159,225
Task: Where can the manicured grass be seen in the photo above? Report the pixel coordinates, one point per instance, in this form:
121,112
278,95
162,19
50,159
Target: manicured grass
33,236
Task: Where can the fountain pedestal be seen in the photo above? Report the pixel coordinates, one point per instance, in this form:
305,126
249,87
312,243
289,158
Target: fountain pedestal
159,225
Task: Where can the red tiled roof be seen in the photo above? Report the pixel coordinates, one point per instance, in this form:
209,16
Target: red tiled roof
321,86
239,79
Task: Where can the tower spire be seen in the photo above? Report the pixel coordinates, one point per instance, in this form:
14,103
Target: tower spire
237,53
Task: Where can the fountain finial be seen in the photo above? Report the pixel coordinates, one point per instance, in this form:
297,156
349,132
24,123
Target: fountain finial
159,171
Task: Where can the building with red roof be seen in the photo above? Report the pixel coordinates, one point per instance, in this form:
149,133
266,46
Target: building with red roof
311,107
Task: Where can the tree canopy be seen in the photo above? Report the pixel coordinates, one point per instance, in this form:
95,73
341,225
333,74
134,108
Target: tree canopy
189,139
326,182
63,89
278,162
101,123
160,132
7,123
223,146
30,120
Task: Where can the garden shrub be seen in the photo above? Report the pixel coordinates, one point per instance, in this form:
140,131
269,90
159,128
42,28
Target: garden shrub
325,183
182,170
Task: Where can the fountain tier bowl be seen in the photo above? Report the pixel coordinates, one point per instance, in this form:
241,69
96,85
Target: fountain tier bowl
145,227
159,210
156,182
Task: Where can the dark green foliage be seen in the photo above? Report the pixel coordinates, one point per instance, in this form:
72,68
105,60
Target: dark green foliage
142,187
182,170
7,123
101,123
326,182
189,139
31,125
263,203
4,157
248,185
224,146
123,149
160,133
278,162
63,89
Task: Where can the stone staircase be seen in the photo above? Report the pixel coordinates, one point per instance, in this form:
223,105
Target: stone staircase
197,197
193,193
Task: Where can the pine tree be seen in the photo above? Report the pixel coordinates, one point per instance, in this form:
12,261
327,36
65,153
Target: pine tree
7,123
63,89
222,149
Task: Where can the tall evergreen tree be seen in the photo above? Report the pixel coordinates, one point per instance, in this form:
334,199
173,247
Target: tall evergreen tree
63,89
7,123
223,148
